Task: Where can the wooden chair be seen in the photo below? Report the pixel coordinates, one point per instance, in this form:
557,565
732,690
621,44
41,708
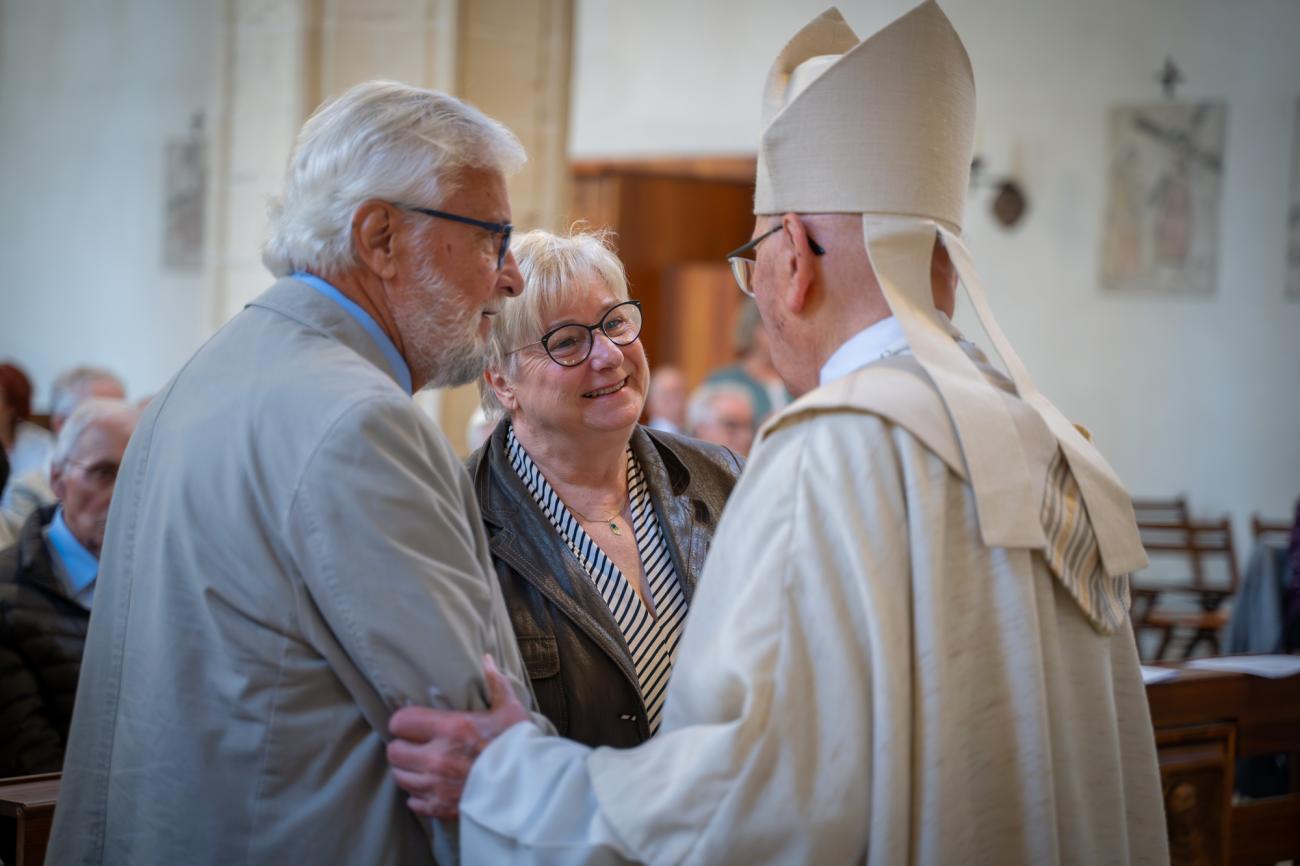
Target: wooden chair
1194,548
1161,511
1156,512
1273,531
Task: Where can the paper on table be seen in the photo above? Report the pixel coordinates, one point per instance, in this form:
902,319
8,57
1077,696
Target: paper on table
1154,675
1273,667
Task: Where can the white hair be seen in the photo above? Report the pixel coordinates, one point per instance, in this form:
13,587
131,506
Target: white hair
72,386
380,140
556,271
89,413
699,411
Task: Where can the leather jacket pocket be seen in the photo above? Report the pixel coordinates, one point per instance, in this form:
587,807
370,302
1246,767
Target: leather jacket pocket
541,656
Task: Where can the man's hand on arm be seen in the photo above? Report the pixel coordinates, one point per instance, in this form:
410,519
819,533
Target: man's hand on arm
434,750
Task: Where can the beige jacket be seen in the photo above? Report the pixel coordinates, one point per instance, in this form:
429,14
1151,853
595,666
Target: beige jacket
293,552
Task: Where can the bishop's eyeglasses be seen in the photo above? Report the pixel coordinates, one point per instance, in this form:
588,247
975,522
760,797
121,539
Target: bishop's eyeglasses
743,263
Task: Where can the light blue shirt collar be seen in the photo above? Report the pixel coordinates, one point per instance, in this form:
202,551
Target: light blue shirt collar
80,567
394,357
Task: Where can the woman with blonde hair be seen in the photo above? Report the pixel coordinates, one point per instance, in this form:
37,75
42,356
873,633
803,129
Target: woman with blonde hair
598,526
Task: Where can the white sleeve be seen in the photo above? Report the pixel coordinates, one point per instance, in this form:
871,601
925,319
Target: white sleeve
563,826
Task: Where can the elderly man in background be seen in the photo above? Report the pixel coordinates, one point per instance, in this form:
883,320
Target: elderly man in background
666,401
722,413
47,584
31,490
294,550
754,371
911,642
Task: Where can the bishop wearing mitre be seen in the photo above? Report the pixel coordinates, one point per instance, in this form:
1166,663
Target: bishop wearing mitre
911,641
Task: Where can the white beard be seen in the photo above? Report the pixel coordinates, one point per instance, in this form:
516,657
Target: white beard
443,346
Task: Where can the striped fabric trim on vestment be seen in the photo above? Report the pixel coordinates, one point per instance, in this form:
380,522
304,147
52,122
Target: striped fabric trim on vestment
1073,555
651,639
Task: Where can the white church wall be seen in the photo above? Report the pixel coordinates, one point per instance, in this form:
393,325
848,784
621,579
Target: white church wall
91,94
1193,394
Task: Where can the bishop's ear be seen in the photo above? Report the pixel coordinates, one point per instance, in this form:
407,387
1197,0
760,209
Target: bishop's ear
802,264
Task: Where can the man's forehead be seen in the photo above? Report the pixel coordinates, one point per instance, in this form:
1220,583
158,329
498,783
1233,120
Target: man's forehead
103,388
104,438
483,190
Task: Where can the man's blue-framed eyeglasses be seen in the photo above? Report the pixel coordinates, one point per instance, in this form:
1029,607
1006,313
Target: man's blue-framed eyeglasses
503,229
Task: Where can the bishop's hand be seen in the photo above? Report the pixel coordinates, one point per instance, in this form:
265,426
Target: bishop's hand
434,750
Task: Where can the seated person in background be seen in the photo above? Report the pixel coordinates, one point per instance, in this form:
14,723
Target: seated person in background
47,583
666,403
723,413
598,526
755,371
31,490
25,443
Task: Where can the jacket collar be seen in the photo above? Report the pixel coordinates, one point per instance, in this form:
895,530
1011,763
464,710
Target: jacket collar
669,483
35,564
311,309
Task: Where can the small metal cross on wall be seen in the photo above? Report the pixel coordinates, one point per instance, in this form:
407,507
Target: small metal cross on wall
1170,77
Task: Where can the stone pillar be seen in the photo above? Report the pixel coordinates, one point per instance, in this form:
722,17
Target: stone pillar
265,92
514,64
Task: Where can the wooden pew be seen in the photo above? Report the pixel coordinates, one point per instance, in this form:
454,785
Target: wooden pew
1204,721
26,815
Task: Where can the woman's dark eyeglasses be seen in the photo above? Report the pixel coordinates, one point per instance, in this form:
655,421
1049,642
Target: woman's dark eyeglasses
503,229
570,345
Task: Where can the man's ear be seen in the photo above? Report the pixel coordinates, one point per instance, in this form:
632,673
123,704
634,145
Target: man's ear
56,481
803,267
505,394
374,226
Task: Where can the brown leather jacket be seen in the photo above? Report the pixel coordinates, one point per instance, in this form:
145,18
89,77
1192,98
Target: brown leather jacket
581,671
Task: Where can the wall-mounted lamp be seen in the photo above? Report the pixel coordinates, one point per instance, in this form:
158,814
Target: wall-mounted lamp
1009,200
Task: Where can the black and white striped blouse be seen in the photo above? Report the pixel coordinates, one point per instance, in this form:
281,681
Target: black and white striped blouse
651,640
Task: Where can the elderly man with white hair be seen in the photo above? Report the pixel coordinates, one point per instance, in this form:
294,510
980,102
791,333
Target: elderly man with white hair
32,489
722,413
294,551
911,642
47,585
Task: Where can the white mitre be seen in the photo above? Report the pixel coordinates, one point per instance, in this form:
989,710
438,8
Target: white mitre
884,127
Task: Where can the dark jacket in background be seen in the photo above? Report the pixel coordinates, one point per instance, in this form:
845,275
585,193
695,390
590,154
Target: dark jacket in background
580,667
42,634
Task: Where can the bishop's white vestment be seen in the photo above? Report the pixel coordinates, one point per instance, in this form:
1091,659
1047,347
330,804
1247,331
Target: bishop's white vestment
862,680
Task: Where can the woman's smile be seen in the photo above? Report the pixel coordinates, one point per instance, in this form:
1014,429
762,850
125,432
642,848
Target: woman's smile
606,391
